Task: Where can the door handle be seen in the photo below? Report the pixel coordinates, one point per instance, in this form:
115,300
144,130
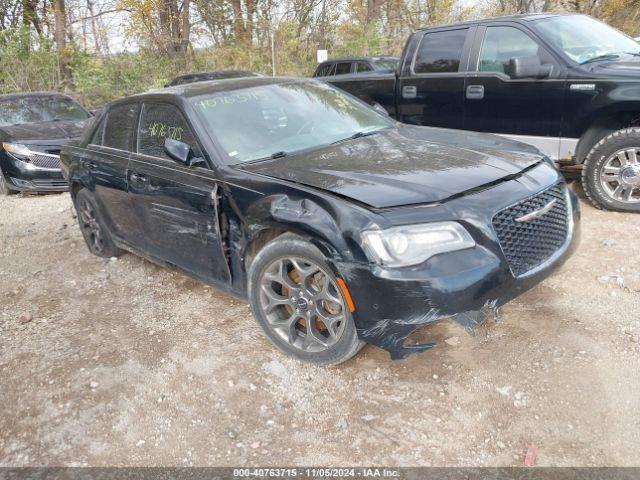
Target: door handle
409,91
90,165
475,92
138,178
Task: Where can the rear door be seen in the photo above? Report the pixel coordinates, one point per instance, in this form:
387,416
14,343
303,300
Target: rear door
498,103
105,163
177,204
431,83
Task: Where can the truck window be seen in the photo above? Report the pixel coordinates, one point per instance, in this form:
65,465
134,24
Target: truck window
324,71
159,122
343,68
119,126
440,52
362,67
503,43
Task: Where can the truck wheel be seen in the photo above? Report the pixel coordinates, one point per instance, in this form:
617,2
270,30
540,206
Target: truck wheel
95,232
611,173
296,300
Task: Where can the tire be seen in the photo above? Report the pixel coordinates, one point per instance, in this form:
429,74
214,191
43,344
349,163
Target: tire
611,173
95,232
4,187
290,286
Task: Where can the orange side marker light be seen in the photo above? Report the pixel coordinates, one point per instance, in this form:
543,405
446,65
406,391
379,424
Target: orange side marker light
347,295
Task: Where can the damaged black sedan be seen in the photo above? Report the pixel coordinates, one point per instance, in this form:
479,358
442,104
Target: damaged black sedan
33,128
339,225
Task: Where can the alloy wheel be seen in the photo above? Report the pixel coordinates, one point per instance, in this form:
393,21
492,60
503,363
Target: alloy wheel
302,304
620,175
90,226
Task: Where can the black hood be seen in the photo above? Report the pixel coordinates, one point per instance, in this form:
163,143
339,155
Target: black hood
404,165
625,67
45,133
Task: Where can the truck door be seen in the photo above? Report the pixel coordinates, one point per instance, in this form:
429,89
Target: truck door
430,87
499,99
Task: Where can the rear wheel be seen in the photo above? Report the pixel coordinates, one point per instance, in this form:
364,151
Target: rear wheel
611,174
95,233
296,300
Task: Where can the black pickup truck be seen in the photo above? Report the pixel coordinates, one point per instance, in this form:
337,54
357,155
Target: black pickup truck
565,83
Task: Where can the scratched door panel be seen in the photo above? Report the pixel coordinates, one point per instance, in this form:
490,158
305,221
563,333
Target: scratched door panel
176,205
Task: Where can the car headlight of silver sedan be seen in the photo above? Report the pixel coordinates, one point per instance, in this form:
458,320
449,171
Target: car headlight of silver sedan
413,244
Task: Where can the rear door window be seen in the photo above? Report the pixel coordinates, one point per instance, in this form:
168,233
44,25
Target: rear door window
362,67
343,68
440,52
158,122
119,127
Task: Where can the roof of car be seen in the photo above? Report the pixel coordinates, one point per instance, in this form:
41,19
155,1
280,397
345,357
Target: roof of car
355,58
16,96
216,86
526,17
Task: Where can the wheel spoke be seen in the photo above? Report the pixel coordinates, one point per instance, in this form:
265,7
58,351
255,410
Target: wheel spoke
633,158
304,272
622,158
618,191
274,298
611,170
282,277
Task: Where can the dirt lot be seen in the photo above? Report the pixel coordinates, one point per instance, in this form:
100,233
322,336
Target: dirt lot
125,363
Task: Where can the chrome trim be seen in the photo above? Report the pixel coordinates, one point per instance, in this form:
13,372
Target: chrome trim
537,213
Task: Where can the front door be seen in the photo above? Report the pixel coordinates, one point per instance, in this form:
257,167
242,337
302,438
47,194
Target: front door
431,86
176,203
528,109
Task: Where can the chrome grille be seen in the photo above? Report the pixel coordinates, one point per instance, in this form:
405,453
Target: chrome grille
528,243
44,160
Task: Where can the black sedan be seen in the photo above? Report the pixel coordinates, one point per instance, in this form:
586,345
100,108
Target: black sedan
338,224
33,128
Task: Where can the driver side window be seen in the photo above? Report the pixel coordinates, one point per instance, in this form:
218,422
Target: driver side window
501,44
158,122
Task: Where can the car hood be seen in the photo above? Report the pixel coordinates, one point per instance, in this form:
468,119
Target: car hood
626,67
405,165
45,132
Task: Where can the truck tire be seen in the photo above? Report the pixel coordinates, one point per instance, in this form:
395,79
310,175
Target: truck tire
96,234
296,300
611,173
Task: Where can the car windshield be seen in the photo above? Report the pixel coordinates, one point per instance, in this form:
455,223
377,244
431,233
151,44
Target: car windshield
385,64
276,120
584,39
20,110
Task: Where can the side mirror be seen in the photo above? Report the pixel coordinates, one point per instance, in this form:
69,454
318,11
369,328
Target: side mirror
380,109
182,153
528,67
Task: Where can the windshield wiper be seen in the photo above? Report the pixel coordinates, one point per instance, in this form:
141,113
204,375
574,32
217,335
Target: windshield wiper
606,56
357,135
279,154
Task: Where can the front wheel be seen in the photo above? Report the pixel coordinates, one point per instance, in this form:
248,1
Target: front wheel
296,300
4,188
611,173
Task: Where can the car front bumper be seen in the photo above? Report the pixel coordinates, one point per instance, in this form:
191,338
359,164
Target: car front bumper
464,286
26,177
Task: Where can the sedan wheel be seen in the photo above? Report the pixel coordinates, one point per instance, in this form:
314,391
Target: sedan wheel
296,300
302,304
91,227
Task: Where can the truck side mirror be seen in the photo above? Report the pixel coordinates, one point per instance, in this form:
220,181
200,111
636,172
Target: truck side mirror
528,67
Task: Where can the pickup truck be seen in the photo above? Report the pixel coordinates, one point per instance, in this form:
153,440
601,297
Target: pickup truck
565,83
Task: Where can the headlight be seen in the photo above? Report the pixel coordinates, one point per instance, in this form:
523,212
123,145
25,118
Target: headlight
18,150
414,244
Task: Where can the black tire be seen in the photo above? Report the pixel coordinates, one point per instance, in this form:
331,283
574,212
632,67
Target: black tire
593,174
4,188
279,251
95,232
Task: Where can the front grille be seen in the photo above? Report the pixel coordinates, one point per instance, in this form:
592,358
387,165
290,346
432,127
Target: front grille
50,183
44,160
527,244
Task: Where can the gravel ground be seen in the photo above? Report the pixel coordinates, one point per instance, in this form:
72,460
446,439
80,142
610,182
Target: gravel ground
125,363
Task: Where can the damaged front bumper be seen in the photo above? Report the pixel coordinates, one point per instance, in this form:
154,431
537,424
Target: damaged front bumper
463,286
